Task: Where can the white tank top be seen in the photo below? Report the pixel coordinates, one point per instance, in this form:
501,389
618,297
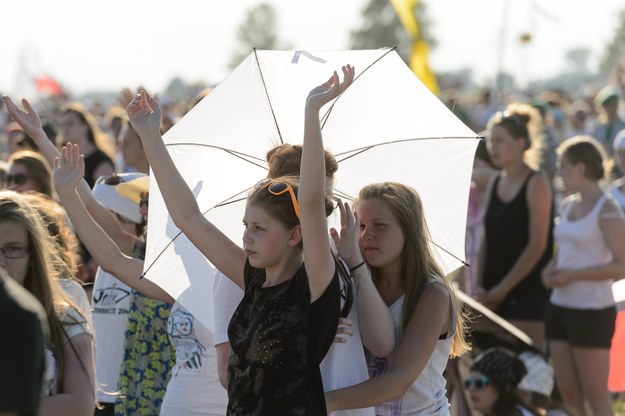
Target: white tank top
580,246
427,394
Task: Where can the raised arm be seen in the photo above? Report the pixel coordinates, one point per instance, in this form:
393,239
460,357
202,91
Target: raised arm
311,196
145,116
376,322
68,171
29,120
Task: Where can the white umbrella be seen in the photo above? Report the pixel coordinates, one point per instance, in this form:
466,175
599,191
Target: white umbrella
386,127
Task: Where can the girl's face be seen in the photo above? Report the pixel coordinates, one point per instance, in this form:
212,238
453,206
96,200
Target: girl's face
14,247
503,148
19,180
73,128
265,239
570,173
481,391
381,238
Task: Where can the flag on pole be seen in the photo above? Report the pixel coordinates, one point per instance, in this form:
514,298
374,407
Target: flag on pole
405,10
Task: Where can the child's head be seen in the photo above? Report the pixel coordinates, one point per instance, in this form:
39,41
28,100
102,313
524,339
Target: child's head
278,197
583,154
493,380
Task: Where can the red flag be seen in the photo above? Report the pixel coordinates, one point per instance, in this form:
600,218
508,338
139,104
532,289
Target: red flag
48,85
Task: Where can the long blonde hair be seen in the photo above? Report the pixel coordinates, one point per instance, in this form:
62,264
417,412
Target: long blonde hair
417,259
41,277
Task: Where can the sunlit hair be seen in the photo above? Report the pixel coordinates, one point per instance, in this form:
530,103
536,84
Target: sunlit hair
94,134
54,217
523,122
41,278
279,207
37,168
417,259
286,160
587,151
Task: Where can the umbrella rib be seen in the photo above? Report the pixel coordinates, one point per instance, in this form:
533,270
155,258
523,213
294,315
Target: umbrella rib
359,150
325,117
273,114
240,155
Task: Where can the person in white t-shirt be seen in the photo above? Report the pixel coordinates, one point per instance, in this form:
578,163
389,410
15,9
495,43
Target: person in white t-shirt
581,314
368,322
194,388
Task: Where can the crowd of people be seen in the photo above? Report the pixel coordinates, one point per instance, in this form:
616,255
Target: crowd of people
355,321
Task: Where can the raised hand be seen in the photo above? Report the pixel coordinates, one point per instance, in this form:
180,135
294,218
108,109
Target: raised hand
69,169
144,114
346,241
324,93
29,120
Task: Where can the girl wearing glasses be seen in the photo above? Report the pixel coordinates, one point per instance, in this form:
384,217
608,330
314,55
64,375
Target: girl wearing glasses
26,254
492,384
591,254
518,240
29,171
111,298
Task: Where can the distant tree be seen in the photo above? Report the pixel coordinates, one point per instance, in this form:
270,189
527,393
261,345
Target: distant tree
381,28
258,30
616,47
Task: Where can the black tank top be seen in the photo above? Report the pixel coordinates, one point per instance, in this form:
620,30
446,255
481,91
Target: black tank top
507,234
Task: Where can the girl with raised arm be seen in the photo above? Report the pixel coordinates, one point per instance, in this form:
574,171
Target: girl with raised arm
287,319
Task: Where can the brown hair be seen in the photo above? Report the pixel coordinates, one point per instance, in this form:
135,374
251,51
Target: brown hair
279,207
37,167
94,134
418,263
589,152
523,122
41,278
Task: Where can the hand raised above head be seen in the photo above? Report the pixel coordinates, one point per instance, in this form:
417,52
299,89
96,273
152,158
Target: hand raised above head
29,120
69,169
324,93
144,114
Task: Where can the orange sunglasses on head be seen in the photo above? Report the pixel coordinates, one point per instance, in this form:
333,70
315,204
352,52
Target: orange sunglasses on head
278,188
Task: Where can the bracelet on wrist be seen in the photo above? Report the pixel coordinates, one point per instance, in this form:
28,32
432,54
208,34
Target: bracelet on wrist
351,269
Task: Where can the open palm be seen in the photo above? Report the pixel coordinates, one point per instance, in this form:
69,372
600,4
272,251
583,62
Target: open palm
324,93
70,168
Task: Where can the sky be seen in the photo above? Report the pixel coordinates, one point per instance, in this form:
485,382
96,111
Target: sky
108,45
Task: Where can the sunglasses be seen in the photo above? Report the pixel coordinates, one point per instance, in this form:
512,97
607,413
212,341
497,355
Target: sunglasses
278,188
17,179
477,382
14,252
347,291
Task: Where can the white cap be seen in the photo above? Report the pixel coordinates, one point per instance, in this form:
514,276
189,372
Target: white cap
540,375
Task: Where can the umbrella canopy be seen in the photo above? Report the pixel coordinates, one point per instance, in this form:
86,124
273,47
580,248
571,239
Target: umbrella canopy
386,127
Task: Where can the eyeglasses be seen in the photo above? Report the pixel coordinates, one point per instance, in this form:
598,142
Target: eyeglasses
477,382
278,188
17,179
14,252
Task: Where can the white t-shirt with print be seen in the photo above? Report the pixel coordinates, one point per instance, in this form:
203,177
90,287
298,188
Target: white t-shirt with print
109,314
194,387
